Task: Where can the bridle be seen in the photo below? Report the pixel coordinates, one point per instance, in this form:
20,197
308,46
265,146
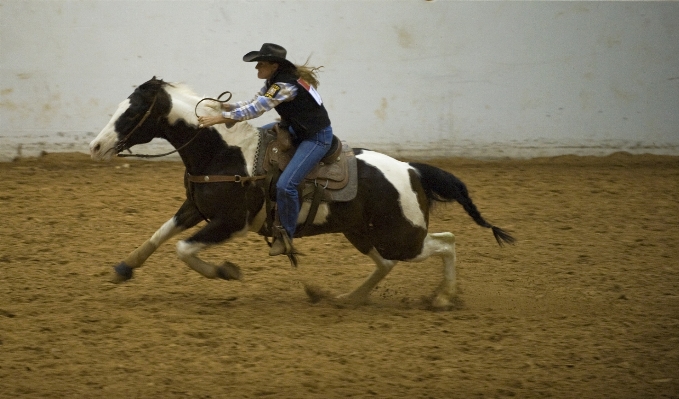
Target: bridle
122,144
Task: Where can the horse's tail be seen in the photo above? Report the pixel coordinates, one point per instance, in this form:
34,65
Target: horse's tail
442,186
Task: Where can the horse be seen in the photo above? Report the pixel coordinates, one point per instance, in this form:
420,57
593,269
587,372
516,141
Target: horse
387,220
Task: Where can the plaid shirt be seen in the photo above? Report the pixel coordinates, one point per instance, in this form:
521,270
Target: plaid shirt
262,102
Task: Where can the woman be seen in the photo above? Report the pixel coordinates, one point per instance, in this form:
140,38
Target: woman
290,90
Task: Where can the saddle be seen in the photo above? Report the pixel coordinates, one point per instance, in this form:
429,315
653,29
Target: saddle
334,179
335,173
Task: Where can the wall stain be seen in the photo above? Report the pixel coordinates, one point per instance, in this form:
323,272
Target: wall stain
381,112
576,9
611,41
624,95
405,38
9,105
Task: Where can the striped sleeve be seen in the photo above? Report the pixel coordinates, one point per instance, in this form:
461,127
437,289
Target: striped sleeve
264,100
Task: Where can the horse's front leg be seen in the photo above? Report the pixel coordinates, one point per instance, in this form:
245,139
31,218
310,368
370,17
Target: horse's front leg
186,217
215,232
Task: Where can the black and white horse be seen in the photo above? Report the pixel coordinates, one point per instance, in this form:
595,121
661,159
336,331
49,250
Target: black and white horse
387,220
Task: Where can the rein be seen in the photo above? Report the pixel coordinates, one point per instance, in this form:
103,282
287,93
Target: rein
195,110
120,146
159,155
194,179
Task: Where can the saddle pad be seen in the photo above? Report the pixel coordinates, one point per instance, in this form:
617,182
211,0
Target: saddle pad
348,192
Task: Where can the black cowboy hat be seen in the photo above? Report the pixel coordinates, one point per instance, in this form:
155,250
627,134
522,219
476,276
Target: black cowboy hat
269,52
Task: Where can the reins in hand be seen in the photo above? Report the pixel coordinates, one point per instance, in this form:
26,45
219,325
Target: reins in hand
218,99
195,111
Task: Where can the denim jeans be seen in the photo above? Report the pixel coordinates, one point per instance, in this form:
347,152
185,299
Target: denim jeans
308,154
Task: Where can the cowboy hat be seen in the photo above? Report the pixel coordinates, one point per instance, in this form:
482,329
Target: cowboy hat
269,52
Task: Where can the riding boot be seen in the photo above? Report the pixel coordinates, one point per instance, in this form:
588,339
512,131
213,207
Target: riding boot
282,244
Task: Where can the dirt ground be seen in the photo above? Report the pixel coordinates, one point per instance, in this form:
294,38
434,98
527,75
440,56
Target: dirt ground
586,305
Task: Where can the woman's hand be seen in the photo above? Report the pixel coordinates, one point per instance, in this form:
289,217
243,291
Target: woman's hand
207,121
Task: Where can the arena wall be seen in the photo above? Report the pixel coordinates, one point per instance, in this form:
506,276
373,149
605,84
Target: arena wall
412,78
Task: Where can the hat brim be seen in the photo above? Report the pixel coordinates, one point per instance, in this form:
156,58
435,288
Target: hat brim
257,56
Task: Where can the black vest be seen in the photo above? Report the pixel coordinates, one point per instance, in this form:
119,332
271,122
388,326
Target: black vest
302,113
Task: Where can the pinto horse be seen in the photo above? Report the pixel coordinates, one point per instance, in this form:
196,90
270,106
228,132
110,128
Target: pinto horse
387,220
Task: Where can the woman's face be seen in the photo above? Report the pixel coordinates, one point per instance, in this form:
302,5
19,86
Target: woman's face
265,69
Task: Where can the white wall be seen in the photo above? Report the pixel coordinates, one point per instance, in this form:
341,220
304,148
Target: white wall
418,78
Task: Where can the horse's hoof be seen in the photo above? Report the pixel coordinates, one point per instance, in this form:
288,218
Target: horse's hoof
350,300
445,303
122,272
441,302
229,271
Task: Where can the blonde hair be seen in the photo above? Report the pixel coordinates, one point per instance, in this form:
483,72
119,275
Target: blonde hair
308,73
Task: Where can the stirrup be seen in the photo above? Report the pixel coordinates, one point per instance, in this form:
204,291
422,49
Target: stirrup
282,245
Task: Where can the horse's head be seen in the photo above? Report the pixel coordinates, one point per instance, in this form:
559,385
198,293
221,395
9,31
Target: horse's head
134,122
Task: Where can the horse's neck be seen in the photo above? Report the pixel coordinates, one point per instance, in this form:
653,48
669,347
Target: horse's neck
242,134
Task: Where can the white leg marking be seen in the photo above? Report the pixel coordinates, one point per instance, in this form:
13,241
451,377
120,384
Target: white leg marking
361,294
443,245
187,249
168,230
396,172
137,257
187,253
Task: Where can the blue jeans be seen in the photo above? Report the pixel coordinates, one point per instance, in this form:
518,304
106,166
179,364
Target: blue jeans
308,154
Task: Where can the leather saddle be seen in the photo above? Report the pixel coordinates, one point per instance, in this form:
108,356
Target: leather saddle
334,179
336,173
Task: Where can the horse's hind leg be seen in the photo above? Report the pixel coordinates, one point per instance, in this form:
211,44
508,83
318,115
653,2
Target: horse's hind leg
443,245
186,217
360,295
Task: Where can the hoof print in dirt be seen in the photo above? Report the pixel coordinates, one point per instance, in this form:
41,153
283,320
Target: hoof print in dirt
316,293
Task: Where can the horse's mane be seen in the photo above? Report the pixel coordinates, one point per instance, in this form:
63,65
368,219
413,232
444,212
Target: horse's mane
176,87
186,111
183,88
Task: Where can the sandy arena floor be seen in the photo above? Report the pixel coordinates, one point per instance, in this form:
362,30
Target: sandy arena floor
586,305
